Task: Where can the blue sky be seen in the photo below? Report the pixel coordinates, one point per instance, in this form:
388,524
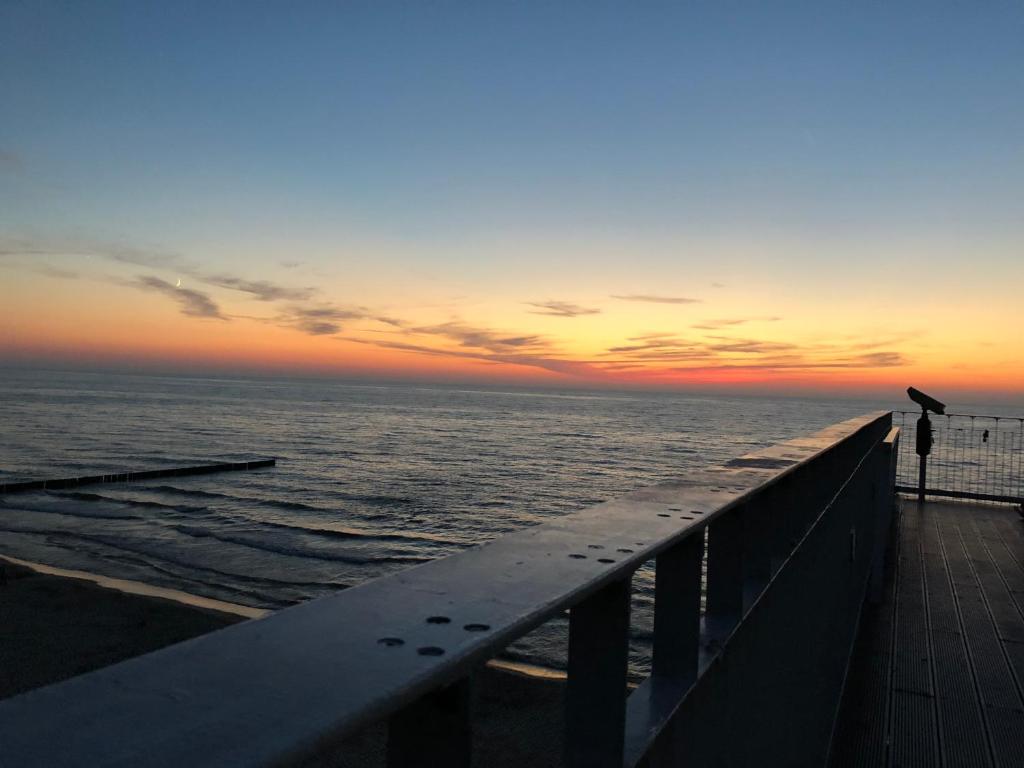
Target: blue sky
412,119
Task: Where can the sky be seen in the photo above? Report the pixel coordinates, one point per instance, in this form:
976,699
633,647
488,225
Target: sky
792,197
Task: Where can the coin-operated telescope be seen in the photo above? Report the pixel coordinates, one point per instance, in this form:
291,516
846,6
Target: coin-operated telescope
923,437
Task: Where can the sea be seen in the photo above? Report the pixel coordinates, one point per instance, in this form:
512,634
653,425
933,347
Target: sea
370,478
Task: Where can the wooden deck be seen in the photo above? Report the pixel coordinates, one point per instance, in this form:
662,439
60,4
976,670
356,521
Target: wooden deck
936,677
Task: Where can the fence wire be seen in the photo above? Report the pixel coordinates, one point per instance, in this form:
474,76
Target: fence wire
973,457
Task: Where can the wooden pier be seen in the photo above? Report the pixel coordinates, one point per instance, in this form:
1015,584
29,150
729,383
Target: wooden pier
937,674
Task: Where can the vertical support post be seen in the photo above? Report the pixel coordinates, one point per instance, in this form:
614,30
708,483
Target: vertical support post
923,447
725,571
595,718
779,500
884,489
922,474
677,609
757,546
434,730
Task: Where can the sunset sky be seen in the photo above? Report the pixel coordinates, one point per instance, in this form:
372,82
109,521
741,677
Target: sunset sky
821,198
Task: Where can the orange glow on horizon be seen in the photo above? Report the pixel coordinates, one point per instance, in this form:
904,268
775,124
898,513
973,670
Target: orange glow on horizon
624,344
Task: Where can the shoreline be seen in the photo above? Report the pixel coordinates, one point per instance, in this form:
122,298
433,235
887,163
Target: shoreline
189,600
141,589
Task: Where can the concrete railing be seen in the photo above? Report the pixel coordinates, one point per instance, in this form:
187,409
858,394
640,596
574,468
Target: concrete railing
791,535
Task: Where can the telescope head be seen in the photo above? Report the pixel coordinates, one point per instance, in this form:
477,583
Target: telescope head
927,403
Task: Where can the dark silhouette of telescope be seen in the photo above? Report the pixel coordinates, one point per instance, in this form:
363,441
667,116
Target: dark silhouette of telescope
926,402
923,443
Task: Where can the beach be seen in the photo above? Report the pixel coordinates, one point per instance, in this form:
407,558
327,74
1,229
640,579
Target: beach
54,627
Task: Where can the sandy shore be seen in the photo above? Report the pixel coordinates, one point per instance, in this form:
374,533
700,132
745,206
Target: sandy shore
53,627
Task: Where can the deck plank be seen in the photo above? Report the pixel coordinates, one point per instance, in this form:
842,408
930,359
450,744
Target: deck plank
914,725
961,722
952,616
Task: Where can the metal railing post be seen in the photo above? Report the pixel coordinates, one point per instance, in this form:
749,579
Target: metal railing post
725,572
677,610
757,546
884,482
595,720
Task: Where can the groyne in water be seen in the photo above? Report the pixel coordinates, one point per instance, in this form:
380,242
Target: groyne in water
129,477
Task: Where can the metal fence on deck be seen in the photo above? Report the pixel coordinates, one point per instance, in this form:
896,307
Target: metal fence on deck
973,457
795,538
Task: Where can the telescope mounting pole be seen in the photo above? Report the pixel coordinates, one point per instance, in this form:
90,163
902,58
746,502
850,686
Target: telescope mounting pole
924,426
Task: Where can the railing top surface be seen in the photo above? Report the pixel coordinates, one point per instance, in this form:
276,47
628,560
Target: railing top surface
277,689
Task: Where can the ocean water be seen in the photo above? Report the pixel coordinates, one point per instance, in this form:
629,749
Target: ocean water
369,480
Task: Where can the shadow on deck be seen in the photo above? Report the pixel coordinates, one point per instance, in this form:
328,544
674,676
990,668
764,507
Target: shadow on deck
936,677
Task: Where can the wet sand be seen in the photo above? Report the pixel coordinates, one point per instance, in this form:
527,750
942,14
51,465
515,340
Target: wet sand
53,627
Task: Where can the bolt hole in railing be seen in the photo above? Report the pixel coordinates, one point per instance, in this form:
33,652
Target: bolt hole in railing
977,457
756,600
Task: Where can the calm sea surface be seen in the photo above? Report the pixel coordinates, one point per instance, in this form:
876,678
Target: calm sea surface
370,479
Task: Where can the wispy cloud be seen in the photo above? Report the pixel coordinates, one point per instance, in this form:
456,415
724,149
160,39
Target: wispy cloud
875,360
655,299
714,325
262,290
327,319
719,353
511,356
193,303
457,339
560,309
482,338
749,346
321,320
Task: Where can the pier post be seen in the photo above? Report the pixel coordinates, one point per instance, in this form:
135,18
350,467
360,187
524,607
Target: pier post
595,720
677,610
725,572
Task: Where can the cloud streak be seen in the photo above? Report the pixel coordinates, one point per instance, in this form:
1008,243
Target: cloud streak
262,290
651,299
560,309
327,319
483,338
193,303
723,353
716,325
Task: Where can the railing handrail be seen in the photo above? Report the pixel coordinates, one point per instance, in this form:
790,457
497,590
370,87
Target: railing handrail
289,686
962,416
